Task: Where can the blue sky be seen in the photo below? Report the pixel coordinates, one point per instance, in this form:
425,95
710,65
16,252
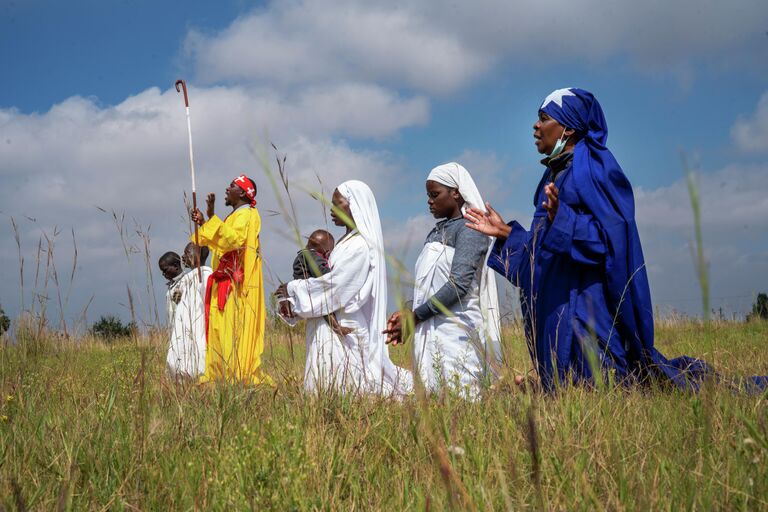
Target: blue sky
379,91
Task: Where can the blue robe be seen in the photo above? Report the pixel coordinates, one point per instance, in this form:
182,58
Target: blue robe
583,284
569,287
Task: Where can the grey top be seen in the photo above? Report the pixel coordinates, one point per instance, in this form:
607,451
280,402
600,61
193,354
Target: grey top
470,248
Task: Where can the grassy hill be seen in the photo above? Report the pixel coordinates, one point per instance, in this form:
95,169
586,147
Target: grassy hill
86,425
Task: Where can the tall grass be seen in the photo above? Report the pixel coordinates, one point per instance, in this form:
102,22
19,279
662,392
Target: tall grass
700,262
91,426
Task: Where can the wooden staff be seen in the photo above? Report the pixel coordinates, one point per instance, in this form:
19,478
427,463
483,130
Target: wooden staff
192,171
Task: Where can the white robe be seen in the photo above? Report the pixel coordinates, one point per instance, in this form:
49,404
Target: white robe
186,351
449,349
359,361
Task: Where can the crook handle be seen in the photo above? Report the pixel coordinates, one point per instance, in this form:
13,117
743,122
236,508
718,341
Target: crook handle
183,86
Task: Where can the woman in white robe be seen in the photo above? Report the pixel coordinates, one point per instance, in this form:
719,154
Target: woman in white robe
353,356
455,303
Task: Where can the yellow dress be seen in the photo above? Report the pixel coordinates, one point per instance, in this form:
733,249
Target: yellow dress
236,334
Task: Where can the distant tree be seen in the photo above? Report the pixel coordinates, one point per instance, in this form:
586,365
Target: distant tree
5,322
110,327
759,308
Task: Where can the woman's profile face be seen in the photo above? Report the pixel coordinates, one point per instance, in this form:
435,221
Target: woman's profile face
546,132
442,200
339,204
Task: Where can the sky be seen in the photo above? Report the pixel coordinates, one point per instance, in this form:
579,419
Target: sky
93,143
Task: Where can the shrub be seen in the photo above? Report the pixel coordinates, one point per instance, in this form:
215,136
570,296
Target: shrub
110,327
759,308
5,322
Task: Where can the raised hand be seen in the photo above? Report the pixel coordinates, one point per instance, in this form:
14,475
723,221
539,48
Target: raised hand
552,202
209,202
488,223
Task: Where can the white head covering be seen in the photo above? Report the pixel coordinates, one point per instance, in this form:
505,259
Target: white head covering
455,176
365,214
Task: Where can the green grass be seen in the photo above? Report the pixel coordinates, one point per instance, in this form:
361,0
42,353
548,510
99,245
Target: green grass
89,426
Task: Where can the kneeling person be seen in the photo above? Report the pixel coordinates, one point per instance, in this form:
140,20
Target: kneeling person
456,315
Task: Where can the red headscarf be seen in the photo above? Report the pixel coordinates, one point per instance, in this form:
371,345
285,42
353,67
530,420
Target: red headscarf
248,186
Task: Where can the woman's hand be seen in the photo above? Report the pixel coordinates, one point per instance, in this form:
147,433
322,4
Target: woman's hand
197,217
209,203
284,307
488,223
552,202
394,330
336,327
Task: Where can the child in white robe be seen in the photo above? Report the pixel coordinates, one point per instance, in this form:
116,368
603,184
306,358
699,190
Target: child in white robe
186,350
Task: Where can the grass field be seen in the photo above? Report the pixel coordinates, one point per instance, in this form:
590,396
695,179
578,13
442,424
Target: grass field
84,425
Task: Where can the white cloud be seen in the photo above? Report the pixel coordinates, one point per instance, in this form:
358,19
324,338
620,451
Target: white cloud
493,177
302,42
57,167
359,110
655,33
751,133
734,219
733,197
439,48
79,150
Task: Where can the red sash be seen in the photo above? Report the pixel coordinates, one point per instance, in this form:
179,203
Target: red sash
230,270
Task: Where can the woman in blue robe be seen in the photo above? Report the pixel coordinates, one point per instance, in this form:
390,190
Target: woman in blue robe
584,290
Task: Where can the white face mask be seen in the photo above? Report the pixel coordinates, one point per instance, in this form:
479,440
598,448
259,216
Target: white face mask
559,145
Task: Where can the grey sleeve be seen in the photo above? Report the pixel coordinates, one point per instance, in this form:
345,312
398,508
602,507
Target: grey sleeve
299,267
469,255
302,269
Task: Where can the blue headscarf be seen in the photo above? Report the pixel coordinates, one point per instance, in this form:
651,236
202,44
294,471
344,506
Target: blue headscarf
604,189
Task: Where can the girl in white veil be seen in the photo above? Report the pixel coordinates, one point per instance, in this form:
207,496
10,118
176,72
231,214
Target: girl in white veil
455,303
454,175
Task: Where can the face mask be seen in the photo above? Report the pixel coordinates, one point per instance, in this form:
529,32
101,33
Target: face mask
559,145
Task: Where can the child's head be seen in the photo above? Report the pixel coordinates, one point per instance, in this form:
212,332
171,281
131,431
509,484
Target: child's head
321,241
190,255
170,265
